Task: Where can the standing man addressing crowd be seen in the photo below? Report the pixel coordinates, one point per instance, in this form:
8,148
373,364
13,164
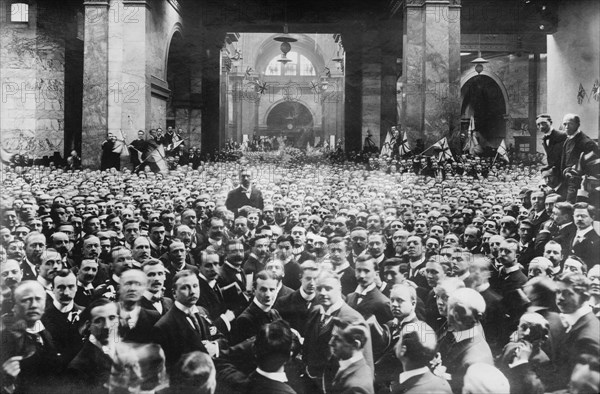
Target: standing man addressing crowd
244,195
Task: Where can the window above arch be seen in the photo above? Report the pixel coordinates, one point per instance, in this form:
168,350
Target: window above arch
19,12
299,65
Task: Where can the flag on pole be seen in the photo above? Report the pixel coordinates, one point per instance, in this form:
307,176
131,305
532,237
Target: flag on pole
595,93
157,156
444,150
403,147
502,152
386,149
581,94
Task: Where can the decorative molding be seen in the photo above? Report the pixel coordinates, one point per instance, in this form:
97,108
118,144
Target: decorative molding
96,3
159,88
137,3
175,5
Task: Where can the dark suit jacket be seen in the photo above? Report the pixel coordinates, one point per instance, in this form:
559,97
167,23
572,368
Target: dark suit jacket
565,237
538,222
458,357
166,302
588,249
171,272
553,145
28,273
573,148
83,297
426,383
233,295
493,321
89,371
262,385
293,309
65,334
316,351
374,303
292,275
212,301
236,199
176,336
357,378
142,332
348,280
581,339
250,321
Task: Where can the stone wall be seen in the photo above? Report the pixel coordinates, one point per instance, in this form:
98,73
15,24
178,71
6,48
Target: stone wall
574,59
32,80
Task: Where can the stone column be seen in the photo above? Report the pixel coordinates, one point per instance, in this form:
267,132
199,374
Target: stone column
95,81
211,70
353,90
371,87
431,69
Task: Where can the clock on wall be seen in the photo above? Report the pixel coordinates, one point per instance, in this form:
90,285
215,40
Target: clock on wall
290,126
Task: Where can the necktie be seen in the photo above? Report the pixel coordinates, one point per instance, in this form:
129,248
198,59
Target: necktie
195,317
308,303
156,299
217,290
359,298
578,239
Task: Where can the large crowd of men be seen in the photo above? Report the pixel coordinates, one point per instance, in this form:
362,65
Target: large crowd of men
300,278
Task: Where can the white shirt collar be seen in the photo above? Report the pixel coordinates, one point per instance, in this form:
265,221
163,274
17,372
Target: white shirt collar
149,295
65,308
307,297
214,242
262,307
564,225
464,276
574,135
333,308
404,376
483,287
89,286
467,334
31,265
37,328
415,264
116,279
572,318
185,309
211,283
134,315
364,291
277,376
341,267
581,233
508,270
47,285
344,364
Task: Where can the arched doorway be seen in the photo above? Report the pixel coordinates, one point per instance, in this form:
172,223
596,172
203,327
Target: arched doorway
483,99
294,121
178,80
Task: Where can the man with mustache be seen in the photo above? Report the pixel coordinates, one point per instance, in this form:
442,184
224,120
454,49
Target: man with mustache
121,260
91,250
367,299
10,277
185,328
586,242
232,279
294,307
299,237
85,276
91,367
16,250
341,266
135,322
50,264
258,256
211,295
61,317
30,361
175,261
35,244
153,298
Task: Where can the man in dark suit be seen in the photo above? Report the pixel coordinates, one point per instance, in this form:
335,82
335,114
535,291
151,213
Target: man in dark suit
85,276
135,323
156,236
260,311
562,214
294,307
354,374
153,298
404,302
232,279
586,242
299,252
367,299
244,194
35,245
90,370
186,328
272,349
415,349
341,266
511,281
211,297
465,343
30,361
552,141
582,327
575,144
175,261
538,213
316,352
61,317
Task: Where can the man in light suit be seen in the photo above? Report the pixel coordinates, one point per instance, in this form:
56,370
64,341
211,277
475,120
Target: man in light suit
353,374
243,195
415,349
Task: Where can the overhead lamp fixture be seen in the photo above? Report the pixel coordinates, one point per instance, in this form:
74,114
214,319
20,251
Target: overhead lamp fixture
479,61
285,46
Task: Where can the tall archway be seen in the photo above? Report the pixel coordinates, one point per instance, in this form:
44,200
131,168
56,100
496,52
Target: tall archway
293,120
483,99
178,80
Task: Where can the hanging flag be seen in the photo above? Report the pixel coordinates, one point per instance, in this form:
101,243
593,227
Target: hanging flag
403,148
157,156
386,149
502,152
581,94
443,149
470,136
5,156
595,93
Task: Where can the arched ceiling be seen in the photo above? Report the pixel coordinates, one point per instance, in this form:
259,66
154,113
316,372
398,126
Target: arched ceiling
305,46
